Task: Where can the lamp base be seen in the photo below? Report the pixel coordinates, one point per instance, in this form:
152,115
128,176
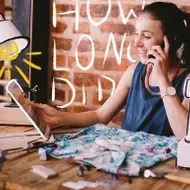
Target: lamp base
11,115
183,149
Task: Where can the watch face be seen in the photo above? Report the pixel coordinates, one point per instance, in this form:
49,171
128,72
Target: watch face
171,91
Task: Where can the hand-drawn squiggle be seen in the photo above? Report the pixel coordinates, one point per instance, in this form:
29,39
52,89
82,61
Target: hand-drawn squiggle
9,51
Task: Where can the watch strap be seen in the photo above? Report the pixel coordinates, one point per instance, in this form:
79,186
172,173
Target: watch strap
170,91
166,94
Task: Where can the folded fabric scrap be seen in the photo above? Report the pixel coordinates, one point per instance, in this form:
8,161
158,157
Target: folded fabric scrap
113,149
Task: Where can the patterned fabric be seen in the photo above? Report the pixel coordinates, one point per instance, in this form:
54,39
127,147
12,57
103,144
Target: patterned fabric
113,150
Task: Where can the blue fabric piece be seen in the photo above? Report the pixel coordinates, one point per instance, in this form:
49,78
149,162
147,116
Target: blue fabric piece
145,112
145,149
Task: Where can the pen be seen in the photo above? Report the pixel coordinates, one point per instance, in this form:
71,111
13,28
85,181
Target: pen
148,173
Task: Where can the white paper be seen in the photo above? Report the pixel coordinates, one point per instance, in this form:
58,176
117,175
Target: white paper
80,184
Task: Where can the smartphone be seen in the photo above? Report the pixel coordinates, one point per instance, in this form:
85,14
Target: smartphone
152,56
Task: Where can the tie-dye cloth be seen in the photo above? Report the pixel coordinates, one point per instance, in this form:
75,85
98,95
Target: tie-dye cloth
113,150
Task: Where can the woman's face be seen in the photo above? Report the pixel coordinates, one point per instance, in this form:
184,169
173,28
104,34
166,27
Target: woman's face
148,33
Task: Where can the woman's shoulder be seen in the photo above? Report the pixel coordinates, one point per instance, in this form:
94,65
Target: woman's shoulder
134,66
130,70
129,73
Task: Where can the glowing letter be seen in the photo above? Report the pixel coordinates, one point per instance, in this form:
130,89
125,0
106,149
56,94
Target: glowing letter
118,55
54,19
72,88
100,87
103,20
93,53
99,90
76,14
55,59
84,95
131,12
129,54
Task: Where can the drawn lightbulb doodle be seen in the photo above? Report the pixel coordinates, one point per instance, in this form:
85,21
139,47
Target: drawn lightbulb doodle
9,52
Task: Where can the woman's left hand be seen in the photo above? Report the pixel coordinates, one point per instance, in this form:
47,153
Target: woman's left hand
160,62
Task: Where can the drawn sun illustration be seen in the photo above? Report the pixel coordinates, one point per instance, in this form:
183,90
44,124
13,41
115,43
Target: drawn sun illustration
9,51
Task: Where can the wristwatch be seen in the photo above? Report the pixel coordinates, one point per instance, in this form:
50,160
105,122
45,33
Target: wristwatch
170,91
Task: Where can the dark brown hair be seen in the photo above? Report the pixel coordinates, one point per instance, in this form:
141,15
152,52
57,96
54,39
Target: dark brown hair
176,26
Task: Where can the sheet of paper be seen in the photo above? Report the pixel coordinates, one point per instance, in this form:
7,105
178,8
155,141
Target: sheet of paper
80,184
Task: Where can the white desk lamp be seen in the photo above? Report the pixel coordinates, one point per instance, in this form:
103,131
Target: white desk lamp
8,34
183,150
11,42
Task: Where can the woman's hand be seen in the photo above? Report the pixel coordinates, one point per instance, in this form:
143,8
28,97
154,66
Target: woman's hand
49,114
160,62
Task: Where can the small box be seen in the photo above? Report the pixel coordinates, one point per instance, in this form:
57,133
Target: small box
12,115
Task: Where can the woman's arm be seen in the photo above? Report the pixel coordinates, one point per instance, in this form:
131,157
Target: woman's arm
102,115
176,111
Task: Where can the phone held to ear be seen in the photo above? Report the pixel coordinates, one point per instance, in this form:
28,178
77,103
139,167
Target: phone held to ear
152,56
148,72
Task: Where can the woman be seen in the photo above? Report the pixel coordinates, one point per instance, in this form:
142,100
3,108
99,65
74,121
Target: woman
151,89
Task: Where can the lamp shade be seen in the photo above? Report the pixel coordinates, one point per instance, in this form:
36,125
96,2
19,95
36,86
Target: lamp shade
9,33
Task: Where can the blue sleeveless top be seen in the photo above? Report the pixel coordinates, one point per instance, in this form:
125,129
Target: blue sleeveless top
145,112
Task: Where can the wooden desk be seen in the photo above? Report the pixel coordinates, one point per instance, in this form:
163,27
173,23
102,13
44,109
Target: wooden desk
16,174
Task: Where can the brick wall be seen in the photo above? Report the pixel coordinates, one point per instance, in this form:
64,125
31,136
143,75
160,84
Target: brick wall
84,77
8,9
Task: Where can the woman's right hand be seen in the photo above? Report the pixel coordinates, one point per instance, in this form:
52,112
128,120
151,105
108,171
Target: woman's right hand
50,115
